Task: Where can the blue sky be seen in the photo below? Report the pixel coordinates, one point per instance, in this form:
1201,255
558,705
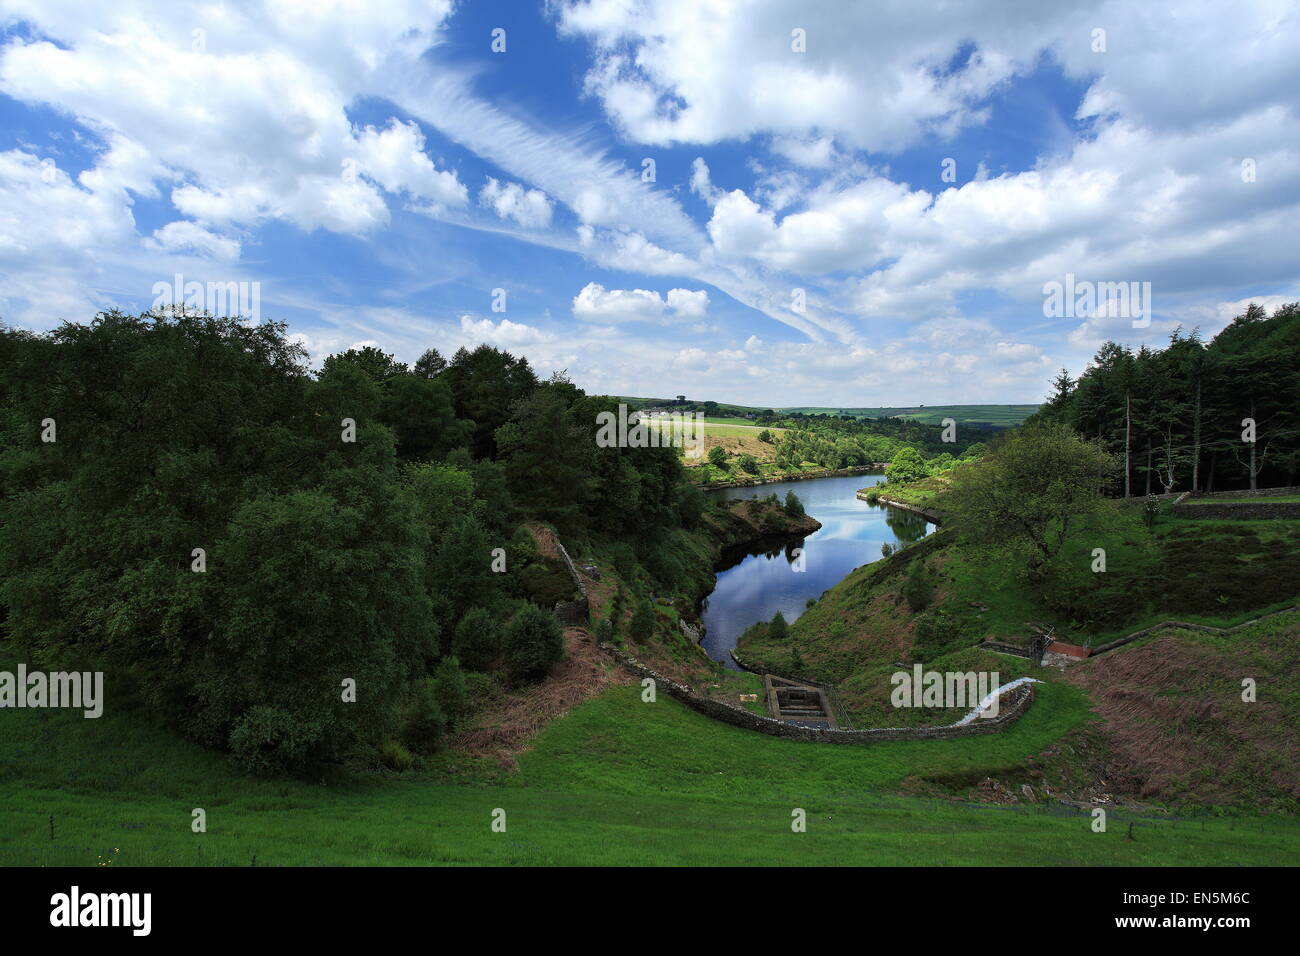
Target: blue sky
379,173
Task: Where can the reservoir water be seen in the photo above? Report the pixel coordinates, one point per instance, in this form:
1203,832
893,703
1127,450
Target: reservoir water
759,585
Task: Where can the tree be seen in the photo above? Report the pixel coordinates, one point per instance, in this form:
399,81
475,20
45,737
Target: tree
420,412
534,644
748,464
642,627
1038,485
449,689
478,639
907,465
917,587
718,456
793,506
380,366
485,385
543,451
777,629
430,364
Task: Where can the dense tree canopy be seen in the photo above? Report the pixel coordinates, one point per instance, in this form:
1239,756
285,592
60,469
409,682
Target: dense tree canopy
1178,418
277,561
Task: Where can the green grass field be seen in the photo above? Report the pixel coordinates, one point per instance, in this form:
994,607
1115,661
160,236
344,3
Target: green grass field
617,782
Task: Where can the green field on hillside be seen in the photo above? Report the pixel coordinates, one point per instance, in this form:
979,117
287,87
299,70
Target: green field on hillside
617,782
1002,416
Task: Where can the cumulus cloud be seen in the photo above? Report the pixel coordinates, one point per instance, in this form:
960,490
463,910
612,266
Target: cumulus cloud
528,207
595,303
183,236
504,334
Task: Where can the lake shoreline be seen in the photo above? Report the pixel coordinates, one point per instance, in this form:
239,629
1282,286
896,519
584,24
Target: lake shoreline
796,476
855,534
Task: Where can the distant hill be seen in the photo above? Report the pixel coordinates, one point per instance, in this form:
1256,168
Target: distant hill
1003,416
998,416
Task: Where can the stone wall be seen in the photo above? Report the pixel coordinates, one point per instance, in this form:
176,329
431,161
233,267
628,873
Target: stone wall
840,713
1186,626
1237,509
1248,493
1017,702
929,514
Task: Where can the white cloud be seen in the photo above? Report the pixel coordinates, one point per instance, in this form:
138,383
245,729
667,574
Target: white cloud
184,236
395,158
528,207
595,303
503,334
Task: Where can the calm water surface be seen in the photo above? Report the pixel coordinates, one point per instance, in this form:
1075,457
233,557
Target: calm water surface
851,534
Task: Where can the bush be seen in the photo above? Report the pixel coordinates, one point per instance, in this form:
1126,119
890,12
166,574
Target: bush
917,588
643,621
396,757
521,549
766,436
478,639
748,463
690,506
886,549
605,632
547,584
663,565
718,456
778,630
793,506
1150,510
424,723
449,691
624,561
534,643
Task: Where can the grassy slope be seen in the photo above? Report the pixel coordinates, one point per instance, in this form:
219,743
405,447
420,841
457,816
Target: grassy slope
618,781
1218,573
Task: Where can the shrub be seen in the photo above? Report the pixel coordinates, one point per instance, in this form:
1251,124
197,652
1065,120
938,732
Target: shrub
547,584
1150,510
917,588
748,463
423,723
449,691
605,632
534,643
690,506
624,561
886,549
396,757
643,621
521,549
478,639
718,456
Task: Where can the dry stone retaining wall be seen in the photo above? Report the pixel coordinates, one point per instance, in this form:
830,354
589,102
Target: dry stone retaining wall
1008,712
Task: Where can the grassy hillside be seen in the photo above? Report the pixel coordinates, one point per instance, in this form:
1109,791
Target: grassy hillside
1174,718
616,782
